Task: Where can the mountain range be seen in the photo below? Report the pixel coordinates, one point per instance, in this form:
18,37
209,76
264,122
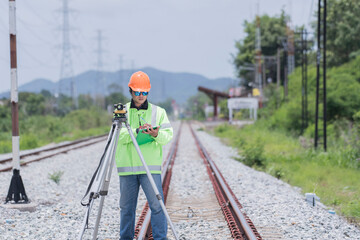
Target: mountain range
178,86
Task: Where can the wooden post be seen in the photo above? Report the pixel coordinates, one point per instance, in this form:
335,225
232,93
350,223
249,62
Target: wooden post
16,191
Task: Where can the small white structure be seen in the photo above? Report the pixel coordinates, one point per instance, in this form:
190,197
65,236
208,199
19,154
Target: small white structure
243,103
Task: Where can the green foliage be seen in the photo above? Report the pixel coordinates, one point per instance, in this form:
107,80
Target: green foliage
272,30
43,119
115,97
56,176
195,106
5,118
224,111
253,153
65,105
334,175
343,98
343,31
29,141
5,146
36,131
31,103
85,101
274,97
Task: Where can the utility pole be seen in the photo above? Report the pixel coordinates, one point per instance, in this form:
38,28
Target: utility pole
66,61
258,71
290,42
304,94
321,85
16,191
278,68
291,49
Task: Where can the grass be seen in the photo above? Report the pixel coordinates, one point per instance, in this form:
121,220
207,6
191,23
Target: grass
334,176
56,176
37,131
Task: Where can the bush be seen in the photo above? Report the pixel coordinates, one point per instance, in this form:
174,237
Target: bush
5,146
253,154
28,141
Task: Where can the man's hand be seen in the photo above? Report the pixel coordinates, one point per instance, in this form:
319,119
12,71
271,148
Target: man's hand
150,130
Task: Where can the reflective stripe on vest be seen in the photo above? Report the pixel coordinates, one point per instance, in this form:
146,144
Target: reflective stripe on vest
153,115
165,125
139,168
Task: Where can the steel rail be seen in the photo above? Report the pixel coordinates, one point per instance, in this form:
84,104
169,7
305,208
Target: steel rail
143,228
235,218
36,152
53,154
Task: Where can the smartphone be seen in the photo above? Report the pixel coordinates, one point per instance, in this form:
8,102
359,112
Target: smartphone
145,130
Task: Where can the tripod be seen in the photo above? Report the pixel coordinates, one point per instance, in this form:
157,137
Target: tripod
99,184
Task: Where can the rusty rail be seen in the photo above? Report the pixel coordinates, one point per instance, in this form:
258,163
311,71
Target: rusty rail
36,152
143,228
240,225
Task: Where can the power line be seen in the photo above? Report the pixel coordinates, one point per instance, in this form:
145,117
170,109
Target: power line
47,21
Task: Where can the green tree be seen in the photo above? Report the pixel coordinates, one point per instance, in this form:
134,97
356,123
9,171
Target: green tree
272,30
115,97
85,101
32,103
343,31
64,105
195,106
5,117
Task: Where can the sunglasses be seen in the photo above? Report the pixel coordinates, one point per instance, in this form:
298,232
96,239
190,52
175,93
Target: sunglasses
138,93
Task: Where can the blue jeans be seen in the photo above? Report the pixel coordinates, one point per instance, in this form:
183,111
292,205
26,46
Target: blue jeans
129,190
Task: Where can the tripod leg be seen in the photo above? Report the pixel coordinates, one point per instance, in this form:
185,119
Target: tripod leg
105,186
151,179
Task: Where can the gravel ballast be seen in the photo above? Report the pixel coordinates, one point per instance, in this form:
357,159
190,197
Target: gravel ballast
270,203
275,207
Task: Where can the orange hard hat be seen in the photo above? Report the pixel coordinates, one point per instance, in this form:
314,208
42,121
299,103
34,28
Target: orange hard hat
140,81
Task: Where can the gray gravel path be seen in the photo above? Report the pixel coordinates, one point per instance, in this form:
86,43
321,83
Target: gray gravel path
276,208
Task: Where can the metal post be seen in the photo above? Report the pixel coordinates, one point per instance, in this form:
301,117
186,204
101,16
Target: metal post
215,99
324,75
16,189
278,68
317,76
285,83
302,82
305,88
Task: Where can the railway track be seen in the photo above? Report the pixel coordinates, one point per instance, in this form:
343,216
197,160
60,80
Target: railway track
43,153
209,210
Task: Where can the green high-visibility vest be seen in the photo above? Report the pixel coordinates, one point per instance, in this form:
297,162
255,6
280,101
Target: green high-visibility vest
127,159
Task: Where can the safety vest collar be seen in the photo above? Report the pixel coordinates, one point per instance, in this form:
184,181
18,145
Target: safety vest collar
143,106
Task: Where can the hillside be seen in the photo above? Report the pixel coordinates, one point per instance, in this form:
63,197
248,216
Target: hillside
179,86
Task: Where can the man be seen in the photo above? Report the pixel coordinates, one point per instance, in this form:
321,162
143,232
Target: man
142,115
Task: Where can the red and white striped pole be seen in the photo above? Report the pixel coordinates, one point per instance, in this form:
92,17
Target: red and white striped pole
16,190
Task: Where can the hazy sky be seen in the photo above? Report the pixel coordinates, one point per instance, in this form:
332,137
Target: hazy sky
177,36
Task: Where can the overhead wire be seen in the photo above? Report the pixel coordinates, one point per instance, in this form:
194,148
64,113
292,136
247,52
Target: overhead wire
47,21
42,63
